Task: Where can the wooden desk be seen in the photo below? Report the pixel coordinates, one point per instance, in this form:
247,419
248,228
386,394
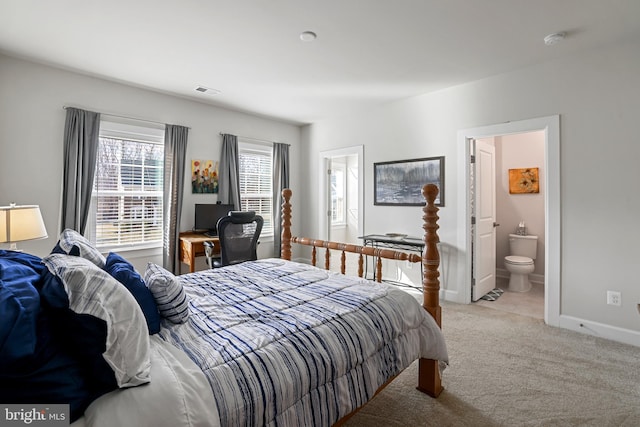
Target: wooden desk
192,246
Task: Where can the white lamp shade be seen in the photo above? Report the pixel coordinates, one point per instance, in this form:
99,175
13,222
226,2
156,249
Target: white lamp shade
18,223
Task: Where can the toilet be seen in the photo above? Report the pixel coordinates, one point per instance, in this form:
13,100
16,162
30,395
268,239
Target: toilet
519,263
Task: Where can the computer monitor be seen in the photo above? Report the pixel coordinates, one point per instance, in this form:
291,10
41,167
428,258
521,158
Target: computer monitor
207,216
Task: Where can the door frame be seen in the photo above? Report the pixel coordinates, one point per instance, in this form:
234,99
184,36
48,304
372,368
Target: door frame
357,150
551,127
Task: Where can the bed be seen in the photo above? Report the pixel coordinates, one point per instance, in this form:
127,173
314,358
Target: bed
267,342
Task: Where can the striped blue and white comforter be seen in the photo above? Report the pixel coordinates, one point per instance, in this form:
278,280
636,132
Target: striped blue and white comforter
288,344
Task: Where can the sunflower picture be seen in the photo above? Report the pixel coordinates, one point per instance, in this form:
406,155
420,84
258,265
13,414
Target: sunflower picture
204,176
523,181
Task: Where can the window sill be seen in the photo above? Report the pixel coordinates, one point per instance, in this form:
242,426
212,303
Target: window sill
266,239
339,225
133,251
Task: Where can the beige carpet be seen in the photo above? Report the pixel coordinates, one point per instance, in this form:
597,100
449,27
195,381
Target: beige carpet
513,370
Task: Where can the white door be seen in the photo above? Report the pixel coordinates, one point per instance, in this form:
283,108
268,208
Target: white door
484,243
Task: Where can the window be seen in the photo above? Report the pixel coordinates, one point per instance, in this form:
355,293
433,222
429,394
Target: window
338,199
126,202
256,190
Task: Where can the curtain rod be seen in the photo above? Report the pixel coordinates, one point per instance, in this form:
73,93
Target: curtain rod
264,141
127,117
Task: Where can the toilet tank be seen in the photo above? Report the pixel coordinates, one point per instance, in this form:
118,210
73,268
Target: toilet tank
523,245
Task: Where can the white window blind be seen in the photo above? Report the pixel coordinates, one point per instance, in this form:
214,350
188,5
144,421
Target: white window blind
127,192
256,191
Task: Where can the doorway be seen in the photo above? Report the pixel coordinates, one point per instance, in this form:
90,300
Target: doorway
500,209
551,129
342,194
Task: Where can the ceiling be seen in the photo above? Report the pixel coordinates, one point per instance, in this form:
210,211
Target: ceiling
367,51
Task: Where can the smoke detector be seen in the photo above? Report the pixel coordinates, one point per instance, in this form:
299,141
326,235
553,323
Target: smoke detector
554,38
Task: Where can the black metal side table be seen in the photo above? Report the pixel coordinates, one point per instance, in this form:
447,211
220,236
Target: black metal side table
399,242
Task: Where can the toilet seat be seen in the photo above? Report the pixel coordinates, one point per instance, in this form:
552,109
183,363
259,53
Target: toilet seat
518,260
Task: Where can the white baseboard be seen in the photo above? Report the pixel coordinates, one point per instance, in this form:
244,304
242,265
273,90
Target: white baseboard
533,278
452,296
614,333
502,273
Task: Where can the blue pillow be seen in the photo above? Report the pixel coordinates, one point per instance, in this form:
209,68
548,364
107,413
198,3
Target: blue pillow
25,259
19,305
122,270
34,365
50,375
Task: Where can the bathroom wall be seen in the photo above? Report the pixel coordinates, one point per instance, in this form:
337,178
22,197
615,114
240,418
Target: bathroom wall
515,152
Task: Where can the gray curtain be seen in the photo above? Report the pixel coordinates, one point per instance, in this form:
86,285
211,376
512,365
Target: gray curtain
81,135
175,149
229,177
280,182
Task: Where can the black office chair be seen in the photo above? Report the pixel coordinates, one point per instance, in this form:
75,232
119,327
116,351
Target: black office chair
238,233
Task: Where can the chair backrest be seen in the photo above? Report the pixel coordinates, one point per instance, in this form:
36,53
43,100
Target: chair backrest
238,233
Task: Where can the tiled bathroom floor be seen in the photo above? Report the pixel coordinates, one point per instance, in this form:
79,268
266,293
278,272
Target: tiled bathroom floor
525,303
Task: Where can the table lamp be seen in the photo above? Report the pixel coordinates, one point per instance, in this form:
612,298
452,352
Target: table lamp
20,223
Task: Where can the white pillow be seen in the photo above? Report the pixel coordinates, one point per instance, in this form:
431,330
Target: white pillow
94,292
168,292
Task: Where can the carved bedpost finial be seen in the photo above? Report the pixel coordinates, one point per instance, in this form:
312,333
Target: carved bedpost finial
431,258
285,241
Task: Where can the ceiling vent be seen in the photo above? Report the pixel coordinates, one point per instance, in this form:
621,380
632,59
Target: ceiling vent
208,90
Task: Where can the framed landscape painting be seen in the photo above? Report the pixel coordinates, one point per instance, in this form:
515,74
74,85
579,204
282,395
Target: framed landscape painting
399,183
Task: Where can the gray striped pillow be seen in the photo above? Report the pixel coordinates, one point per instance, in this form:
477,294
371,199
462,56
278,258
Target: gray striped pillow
91,291
73,243
168,293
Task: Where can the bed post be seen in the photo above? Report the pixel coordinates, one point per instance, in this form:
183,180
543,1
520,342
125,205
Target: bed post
285,241
429,381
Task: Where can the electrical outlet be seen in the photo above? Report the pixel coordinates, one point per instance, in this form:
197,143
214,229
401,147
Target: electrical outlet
614,298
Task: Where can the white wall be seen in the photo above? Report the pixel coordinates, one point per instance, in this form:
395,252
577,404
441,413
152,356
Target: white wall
597,95
32,118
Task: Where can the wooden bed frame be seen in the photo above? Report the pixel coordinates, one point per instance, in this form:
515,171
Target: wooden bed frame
429,380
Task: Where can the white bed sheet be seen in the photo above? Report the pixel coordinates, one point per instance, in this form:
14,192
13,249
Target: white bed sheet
178,395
